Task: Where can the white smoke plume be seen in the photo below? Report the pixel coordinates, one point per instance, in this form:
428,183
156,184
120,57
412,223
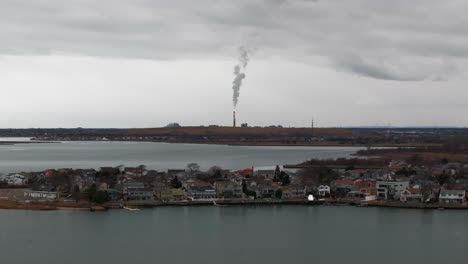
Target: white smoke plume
238,74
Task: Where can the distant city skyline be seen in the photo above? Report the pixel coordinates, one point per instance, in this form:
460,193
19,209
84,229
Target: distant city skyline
146,64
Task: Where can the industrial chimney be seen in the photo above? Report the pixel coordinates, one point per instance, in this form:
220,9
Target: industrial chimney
234,119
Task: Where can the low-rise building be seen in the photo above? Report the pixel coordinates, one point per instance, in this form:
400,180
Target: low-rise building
411,195
324,190
16,179
390,190
266,174
136,191
342,187
113,194
294,191
171,194
228,189
41,195
201,191
452,196
366,187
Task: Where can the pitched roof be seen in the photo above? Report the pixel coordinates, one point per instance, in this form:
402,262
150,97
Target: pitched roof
344,182
452,192
200,184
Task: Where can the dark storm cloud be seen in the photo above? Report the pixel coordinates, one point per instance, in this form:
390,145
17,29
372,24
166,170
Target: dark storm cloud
391,40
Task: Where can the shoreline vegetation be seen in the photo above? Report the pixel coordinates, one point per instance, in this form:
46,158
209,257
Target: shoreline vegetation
252,135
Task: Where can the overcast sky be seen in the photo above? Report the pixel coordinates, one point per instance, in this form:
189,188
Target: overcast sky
146,63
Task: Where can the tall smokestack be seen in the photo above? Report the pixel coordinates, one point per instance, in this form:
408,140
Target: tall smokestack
234,119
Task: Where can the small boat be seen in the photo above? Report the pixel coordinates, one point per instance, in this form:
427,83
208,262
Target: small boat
216,204
131,209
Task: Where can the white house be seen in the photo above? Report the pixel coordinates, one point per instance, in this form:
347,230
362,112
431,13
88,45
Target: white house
41,195
15,179
452,196
411,195
324,190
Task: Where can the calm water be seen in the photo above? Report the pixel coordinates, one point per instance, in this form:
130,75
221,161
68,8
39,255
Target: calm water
235,235
27,157
15,139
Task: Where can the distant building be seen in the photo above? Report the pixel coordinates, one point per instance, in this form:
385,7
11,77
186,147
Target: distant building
323,190
294,191
390,190
411,195
228,189
15,179
267,174
113,194
134,171
367,187
342,187
452,196
171,194
201,191
396,165
41,195
136,191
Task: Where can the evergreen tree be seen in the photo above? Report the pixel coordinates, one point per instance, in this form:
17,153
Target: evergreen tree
175,183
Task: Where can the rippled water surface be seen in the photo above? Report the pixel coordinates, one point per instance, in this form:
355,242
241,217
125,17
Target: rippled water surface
160,156
205,235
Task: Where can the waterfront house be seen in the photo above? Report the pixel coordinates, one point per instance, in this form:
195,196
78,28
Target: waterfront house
263,188
390,190
342,187
323,190
136,191
113,194
41,195
452,196
367,187
171,194
139,194
16,179
201,191
411,195
294,191
228,189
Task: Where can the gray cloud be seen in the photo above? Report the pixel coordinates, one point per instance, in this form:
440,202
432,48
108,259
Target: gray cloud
391,40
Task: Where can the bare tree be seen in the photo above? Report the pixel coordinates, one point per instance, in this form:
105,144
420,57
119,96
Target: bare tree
192,168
